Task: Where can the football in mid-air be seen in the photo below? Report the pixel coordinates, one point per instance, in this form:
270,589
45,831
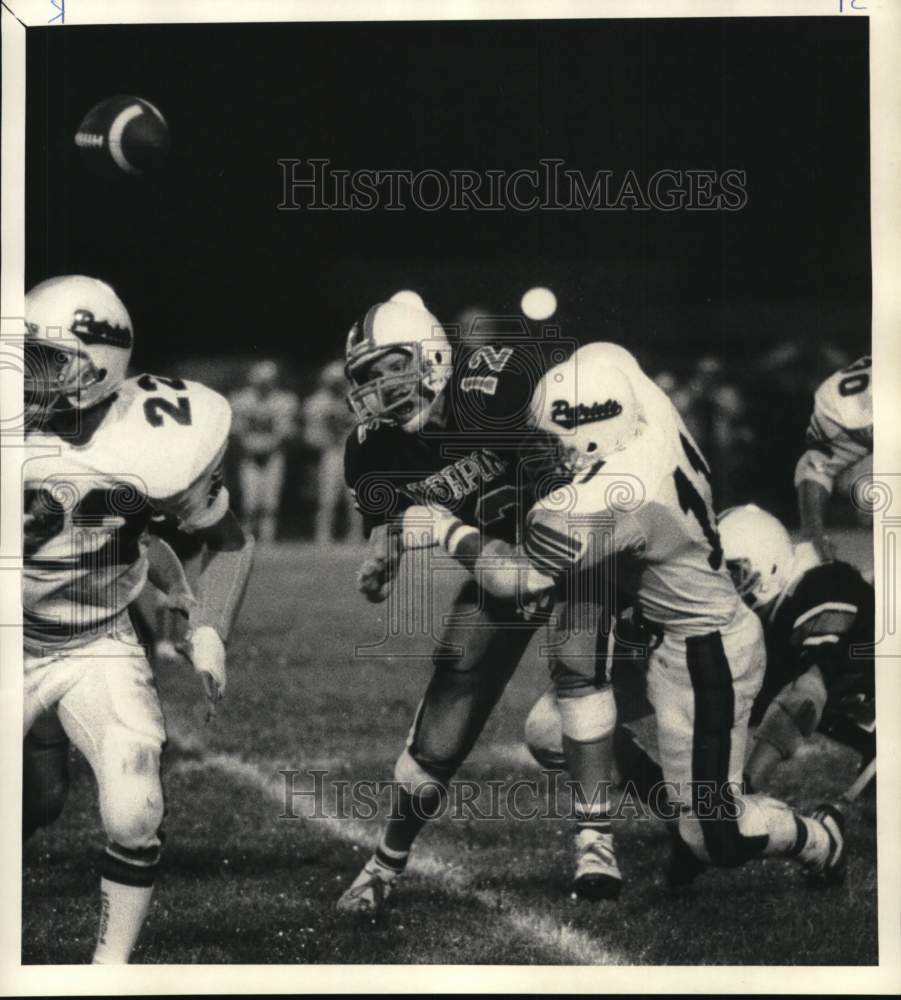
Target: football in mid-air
124,135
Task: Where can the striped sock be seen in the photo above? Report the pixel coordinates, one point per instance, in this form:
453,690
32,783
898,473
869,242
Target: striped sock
392,861
812,845
126,885
592,817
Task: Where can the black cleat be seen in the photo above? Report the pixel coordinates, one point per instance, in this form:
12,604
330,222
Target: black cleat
596,887
832,870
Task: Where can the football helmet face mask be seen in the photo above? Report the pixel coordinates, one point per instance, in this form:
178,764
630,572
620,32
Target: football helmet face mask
589,407
759,554
78,343
401,390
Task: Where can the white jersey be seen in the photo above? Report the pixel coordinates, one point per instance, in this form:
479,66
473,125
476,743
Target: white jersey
840,433
263,422
88,499
651,505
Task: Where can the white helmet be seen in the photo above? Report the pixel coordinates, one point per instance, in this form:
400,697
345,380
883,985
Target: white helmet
78,342
588,405
401,324
759,554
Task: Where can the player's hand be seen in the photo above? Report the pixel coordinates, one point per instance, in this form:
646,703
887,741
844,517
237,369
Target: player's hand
424,526
372,579
208,658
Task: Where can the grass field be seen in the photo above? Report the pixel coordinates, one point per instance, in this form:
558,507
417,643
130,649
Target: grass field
242,885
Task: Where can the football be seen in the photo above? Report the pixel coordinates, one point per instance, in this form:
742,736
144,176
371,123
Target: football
124,135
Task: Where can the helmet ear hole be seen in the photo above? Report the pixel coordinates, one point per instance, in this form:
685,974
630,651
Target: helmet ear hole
592,446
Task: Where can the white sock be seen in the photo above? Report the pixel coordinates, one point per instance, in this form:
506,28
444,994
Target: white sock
123,909
817,846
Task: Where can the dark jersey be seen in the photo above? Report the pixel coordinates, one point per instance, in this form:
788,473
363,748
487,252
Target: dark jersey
828,621
481,465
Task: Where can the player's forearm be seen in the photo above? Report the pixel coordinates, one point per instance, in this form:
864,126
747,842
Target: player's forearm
813,499
502,569
220,571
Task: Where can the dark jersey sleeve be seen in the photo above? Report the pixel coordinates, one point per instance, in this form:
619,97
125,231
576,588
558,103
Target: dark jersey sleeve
367,473
832,623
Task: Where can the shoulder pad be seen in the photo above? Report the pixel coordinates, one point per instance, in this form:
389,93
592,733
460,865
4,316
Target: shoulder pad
170,430
493,384
628,479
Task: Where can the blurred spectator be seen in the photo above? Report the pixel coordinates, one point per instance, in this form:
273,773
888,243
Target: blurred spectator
714,410
264,421
328,421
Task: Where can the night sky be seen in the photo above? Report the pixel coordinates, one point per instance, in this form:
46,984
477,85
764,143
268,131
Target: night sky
208,265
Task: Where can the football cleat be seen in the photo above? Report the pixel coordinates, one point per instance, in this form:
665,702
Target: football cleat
830,871
597,873
684,867
369,892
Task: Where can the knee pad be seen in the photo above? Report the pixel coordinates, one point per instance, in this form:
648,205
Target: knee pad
544,732
45,781
409,772
587,717
131,794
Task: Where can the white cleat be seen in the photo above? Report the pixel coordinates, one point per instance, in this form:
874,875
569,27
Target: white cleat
597,873
368,893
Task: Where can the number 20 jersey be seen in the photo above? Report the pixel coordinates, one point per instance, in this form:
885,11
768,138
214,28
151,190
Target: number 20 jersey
651,507
475,465
157,449
840,433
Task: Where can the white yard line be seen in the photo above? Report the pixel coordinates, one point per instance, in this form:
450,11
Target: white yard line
573,946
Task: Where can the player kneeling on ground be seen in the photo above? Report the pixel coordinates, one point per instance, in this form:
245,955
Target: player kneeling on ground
818,619
640,489
105,453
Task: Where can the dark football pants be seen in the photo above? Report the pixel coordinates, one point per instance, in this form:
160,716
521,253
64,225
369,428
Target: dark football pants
480,648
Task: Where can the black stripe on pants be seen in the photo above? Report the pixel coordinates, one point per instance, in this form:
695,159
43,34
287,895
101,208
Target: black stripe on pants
712,800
